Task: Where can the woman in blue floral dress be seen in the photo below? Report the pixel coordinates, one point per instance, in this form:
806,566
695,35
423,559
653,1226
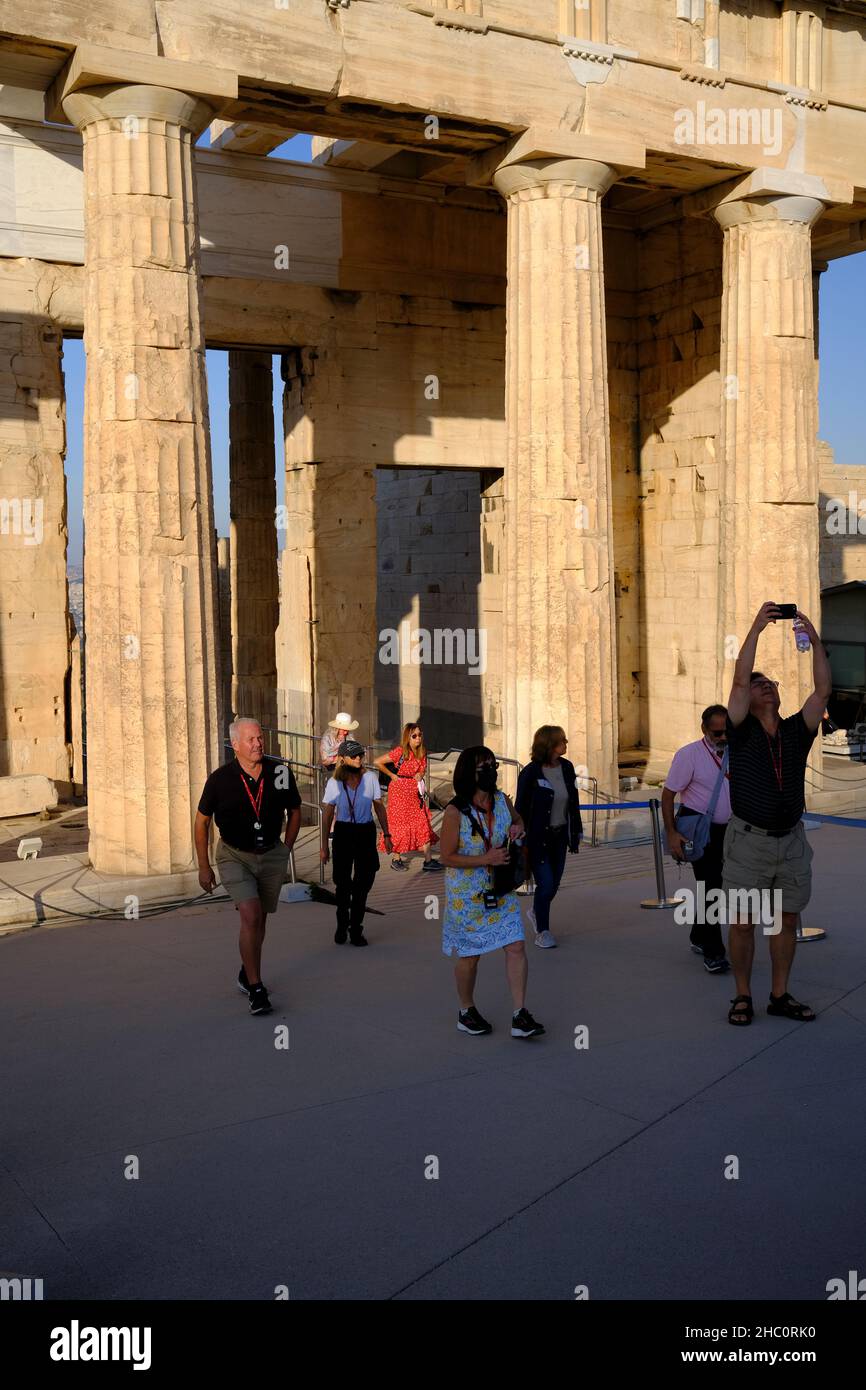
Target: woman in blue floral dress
476,829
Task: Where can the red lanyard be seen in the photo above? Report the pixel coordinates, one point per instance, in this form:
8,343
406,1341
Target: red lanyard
716,760
257,802
777,765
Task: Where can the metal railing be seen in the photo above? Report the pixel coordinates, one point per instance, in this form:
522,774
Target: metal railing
374,749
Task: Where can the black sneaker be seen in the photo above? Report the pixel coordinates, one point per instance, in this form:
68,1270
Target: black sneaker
243,982
523,1025
400,864
259,1001
715,965
431,865
470,1021
358,939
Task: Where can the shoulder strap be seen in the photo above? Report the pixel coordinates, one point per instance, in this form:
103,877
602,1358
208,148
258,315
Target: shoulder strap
718,787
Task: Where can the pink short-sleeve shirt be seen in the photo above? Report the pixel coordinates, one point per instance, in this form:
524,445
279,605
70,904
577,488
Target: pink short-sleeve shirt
693,774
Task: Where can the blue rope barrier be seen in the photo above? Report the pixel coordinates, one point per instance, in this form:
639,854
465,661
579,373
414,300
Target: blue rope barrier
644,805
837,820
614,805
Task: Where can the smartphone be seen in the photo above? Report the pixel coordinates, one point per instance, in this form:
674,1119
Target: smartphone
787,610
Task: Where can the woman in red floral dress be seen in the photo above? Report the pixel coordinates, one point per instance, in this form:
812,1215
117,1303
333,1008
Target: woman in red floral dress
408,811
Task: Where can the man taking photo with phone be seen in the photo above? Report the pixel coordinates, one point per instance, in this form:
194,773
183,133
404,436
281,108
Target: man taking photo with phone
765,844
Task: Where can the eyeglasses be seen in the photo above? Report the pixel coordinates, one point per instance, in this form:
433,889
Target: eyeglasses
486,763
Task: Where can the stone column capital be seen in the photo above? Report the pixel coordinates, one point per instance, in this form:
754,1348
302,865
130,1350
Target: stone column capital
769,207
132,101
539,159
554,177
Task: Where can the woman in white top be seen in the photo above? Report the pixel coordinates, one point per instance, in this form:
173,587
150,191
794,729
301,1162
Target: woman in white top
352,795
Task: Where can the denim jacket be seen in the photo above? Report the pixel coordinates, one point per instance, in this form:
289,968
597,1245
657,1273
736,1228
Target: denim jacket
534,805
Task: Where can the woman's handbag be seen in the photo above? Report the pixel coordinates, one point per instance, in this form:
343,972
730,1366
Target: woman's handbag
507,877
694,826
384,779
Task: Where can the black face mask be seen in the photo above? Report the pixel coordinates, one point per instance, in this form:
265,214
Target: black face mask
486,778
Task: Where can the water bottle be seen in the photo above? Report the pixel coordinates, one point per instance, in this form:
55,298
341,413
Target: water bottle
801,637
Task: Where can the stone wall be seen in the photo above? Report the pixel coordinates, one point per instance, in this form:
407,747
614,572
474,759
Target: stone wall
842,518
439,548
394,380
35,626
678,327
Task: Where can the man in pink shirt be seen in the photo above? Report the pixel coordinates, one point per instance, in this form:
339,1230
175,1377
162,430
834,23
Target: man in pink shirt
693,774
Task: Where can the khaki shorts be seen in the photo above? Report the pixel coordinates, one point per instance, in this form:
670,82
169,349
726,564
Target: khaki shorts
245,875
765,862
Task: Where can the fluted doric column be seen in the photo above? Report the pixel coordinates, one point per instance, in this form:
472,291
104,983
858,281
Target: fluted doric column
559,589
252,498
769,523
150,559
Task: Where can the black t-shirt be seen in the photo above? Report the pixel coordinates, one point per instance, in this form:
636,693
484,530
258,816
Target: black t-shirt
230,795
757,763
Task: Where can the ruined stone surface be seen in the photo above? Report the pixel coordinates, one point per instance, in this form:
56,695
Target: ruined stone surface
439,557
327,637
35,627
26,795
252,508
842,519
150,561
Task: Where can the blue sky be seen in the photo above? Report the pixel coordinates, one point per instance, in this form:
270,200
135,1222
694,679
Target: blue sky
842,398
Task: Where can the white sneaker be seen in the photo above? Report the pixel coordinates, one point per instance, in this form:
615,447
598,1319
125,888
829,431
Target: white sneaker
545,939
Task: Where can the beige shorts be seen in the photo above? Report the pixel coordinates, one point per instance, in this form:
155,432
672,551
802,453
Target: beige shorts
767,862
245,875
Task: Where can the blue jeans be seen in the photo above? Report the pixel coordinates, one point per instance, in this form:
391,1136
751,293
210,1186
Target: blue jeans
548,863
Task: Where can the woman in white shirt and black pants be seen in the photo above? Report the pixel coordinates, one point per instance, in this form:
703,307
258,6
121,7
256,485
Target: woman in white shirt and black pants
352,794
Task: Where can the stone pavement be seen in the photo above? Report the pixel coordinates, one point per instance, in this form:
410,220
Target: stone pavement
260,1167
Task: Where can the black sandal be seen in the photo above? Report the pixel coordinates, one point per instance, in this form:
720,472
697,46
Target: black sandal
786,1006
741,1017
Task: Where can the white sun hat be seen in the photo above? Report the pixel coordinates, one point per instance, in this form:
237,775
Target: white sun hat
343,721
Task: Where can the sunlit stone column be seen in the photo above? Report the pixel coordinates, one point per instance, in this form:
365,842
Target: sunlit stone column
769,523
327,641
253,499
150,561
559,590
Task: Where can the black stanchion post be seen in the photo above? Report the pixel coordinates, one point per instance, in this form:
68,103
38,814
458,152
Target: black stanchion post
662,899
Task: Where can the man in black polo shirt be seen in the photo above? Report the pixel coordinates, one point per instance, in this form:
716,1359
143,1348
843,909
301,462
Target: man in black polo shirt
765,843
249,800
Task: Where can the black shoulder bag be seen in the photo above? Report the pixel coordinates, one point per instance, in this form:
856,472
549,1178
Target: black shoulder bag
504,877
